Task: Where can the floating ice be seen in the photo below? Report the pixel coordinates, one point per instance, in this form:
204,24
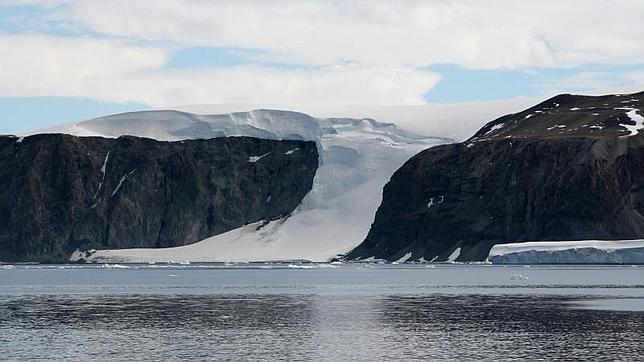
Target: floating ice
569,252
517,276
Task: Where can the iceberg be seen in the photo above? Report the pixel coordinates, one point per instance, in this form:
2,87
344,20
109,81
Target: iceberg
569,252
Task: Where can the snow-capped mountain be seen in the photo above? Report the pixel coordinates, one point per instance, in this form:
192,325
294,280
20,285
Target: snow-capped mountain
568,168
357,158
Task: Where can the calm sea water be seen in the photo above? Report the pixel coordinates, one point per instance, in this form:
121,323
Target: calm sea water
321,312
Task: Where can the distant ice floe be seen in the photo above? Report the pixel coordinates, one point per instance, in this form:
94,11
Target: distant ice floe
116,266
518,276
569,252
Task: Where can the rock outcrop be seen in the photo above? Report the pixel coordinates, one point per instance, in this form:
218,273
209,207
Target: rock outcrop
60,193
569,168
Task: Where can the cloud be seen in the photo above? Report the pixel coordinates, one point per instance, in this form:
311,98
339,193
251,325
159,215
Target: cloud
116,71
498,34
338,52
41,65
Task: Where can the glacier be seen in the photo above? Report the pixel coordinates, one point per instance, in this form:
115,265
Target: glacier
569,252
357,158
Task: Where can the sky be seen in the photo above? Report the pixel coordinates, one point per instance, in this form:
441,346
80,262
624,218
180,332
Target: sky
68,60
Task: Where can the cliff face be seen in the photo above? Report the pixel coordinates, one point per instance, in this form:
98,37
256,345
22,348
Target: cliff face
59,193
566,169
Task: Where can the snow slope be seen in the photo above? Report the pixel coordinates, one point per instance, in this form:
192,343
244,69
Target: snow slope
357,158
569,252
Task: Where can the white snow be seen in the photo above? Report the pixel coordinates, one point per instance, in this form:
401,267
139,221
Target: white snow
254,159
404,258
100,184
528,116
634,115
104,167
582,251
454,255
290,152
97,202
556,126
116,266
118,187
575,108
496,127
20,139
121,181
435,201
357,158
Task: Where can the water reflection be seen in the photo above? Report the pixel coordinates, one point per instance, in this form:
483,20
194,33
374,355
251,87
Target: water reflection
313,327
475,327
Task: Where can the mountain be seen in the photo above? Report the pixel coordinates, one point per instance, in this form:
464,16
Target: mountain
568,168
61,193
356,158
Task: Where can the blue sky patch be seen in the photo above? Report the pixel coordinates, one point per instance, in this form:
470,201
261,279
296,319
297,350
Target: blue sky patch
32,113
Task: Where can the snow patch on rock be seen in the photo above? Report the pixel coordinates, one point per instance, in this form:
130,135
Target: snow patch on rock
454,255
253,159
636,117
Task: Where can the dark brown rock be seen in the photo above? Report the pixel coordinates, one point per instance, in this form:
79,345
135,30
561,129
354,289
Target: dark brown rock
569,171
54,197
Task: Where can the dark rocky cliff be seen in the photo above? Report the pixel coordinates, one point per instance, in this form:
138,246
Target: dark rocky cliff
59,193
569,168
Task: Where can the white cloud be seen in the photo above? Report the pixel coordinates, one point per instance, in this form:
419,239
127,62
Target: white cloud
39,65
360,52
114,71
475,34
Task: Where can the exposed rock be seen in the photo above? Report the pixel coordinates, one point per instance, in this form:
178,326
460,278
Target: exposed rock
569,168
357,157
59,193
